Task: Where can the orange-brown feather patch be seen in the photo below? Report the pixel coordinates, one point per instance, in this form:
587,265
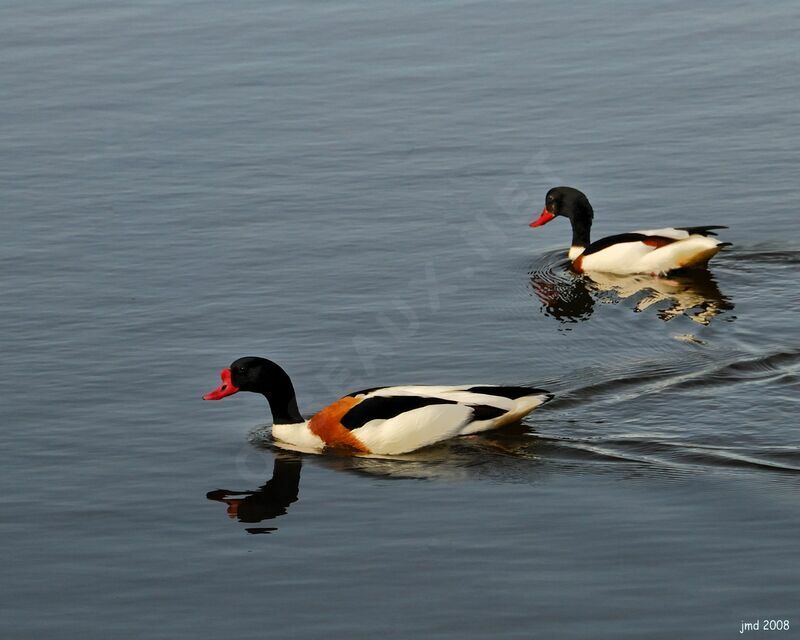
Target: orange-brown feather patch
657,241
577,264
327,424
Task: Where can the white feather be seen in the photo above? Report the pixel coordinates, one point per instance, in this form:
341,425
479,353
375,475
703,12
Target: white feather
414,429
667,232
575,251
453,393
622,257
298,435
427,391
683,253
637,257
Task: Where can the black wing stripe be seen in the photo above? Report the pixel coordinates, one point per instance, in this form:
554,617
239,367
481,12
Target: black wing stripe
385,407
486,412
702,231
512,393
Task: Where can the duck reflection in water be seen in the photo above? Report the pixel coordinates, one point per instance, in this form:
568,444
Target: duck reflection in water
270,500
572,297
497,455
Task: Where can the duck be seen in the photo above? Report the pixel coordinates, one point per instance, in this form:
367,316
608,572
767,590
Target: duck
654,252
380,420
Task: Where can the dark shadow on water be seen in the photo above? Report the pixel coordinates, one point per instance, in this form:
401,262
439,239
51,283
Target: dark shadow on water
508,455
570,297
270,500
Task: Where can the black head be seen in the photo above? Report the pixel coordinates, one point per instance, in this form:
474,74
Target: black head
567,202
252,373
263,376
245,374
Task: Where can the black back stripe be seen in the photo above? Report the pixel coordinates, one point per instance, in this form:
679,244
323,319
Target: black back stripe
512,393
363,392
386,407
605,243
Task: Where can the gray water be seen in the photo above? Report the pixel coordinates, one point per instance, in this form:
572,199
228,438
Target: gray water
345,188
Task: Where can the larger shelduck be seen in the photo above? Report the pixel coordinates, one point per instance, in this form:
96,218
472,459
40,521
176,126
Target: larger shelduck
382,420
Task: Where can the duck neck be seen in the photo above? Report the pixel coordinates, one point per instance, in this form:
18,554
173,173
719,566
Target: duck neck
284,410
282,399
580,234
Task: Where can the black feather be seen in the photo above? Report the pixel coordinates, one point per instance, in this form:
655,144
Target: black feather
386,407
702,231
512,393
364,392
609,241
486,412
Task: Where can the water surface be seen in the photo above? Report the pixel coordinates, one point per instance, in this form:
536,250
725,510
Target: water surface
346,189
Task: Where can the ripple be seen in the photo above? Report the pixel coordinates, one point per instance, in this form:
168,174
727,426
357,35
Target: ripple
768,256
686,455
779,367
630,380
